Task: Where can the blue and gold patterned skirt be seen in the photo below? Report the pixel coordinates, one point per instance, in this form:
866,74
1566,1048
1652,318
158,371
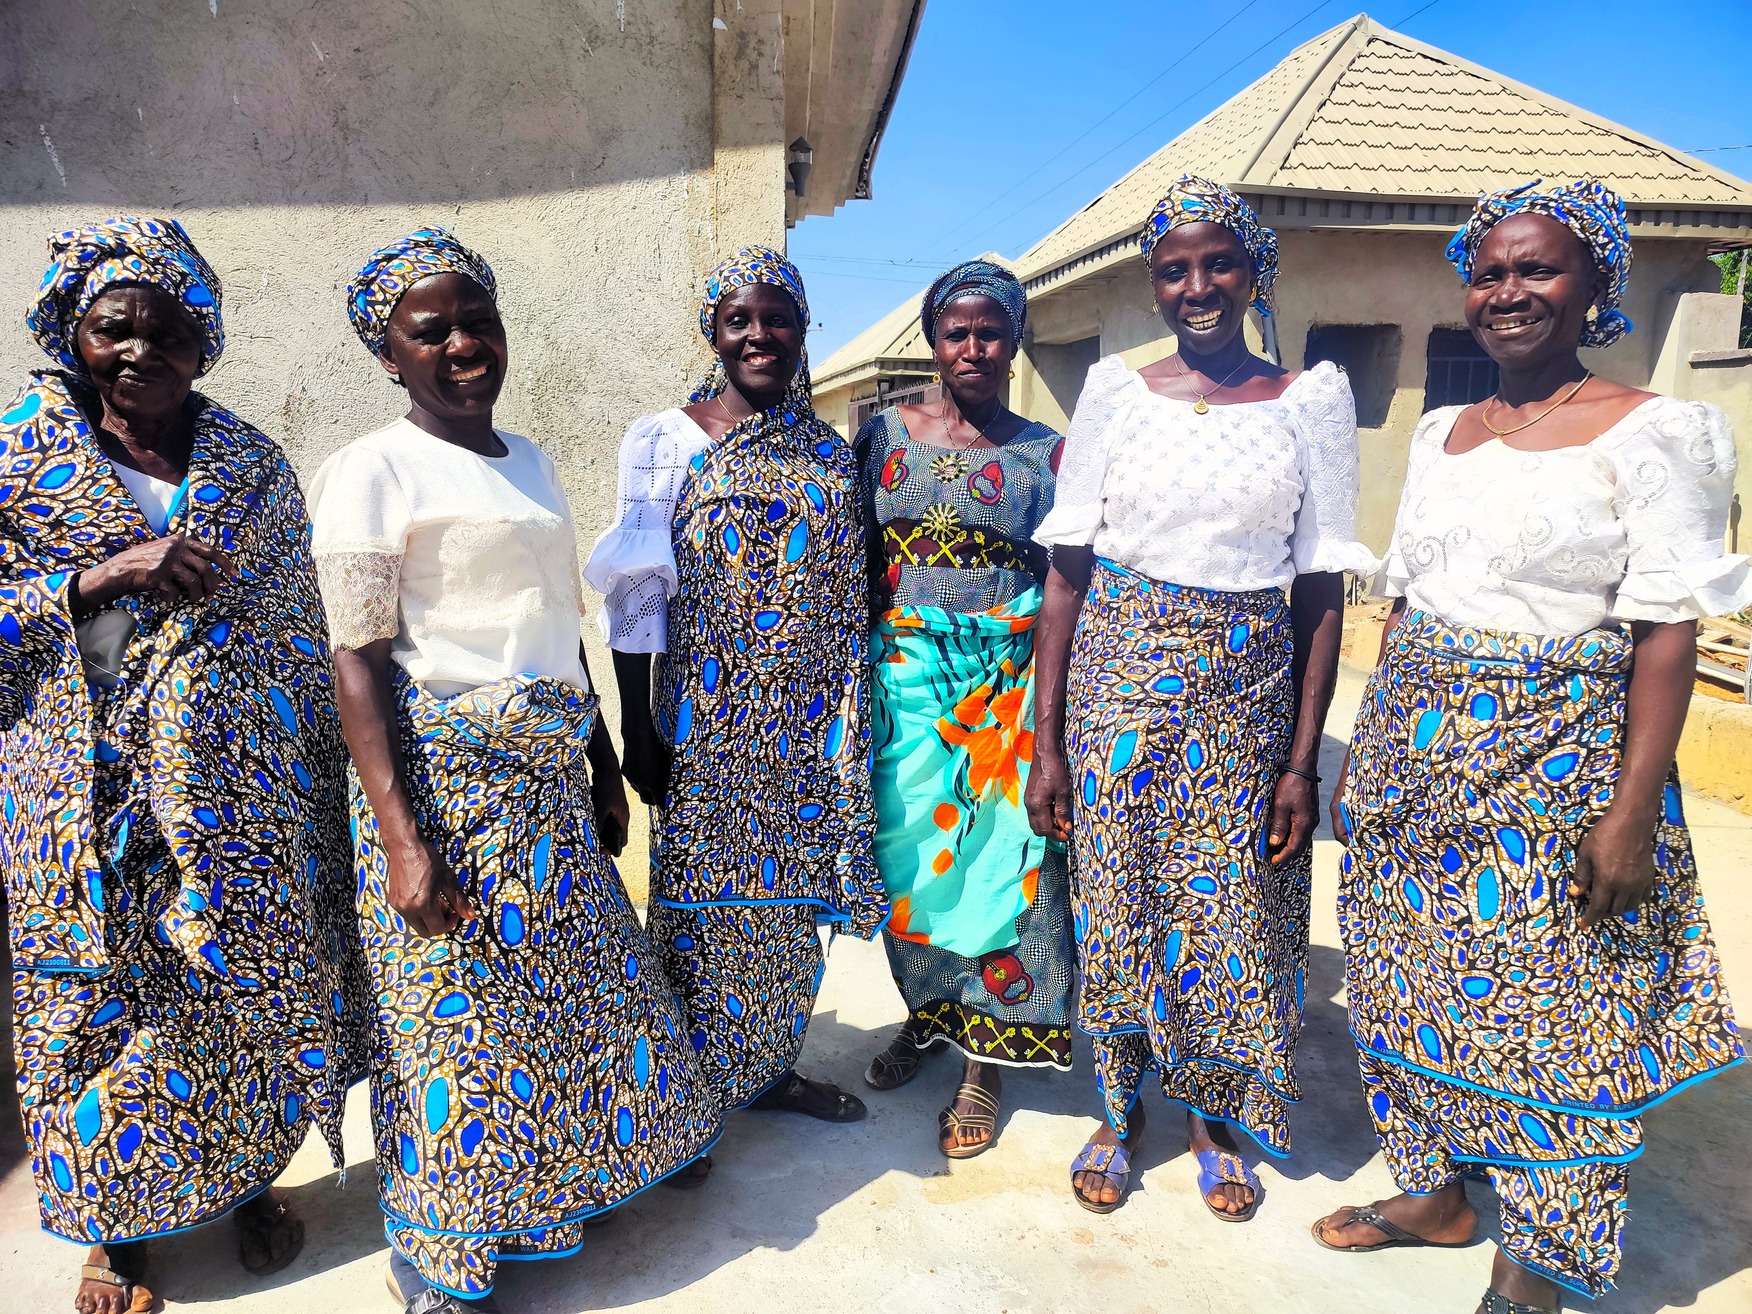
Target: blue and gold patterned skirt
1493,1030
1192,945
532,1070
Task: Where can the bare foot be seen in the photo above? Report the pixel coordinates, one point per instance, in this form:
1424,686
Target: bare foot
1230,1197
1512,1282
986,1077
127,1260
1100,1188
1443,1218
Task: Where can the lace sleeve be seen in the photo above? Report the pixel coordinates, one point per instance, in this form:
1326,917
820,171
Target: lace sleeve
1076,508
1675,475
361,593
633,564
1324,536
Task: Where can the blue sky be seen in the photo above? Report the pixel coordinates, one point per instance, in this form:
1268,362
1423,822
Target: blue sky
995,90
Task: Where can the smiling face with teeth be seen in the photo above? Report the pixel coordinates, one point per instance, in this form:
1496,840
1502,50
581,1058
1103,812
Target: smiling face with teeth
1203,281
445,343
1532,283
759,337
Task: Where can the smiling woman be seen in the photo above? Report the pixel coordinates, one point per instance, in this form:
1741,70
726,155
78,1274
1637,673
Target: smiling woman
510,970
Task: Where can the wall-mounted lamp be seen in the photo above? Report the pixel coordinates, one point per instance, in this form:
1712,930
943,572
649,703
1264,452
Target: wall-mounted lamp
799,160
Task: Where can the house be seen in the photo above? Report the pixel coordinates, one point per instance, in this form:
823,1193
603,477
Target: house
1365,150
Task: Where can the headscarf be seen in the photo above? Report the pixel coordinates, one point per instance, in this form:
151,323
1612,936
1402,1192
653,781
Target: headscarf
1589,209
1195,200
756,264
86,262
975,278
376,289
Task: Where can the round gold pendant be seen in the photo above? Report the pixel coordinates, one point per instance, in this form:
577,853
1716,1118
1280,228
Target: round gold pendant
1199,407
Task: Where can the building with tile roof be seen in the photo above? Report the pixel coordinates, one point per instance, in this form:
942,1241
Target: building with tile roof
1365,149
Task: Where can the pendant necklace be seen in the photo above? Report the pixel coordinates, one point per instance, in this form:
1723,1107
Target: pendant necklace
1201,406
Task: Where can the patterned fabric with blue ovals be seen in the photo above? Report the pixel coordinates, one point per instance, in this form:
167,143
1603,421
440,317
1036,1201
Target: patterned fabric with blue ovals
532,1069
1179,715
174,848
1493,1029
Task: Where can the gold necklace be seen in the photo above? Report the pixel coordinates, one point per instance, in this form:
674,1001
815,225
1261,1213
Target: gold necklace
952,464
1498,397
1201,406
727,415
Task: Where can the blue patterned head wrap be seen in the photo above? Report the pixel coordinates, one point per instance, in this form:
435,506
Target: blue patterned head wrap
376,289
1589,209
975,278
1195,200
752,264
86,262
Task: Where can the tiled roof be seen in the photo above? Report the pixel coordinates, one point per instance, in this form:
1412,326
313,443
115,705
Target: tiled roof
896,335
1362,110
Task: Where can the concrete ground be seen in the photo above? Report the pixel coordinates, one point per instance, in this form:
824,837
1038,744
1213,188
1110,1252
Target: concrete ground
801,1217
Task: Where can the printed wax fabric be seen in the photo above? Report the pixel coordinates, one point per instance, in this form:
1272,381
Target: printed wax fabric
979,938
1192,945
174,847
532,1070
1493,1029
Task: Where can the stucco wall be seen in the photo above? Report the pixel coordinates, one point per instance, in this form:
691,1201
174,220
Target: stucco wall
1367,278
571,141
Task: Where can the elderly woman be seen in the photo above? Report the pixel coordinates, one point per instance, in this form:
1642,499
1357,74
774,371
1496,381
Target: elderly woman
1529,966
171,834
980,936
738,555
531,1070
1193,493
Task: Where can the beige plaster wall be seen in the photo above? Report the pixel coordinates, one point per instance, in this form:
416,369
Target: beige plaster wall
575,143
1373,278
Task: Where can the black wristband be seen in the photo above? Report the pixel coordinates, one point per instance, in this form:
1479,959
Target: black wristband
1297,771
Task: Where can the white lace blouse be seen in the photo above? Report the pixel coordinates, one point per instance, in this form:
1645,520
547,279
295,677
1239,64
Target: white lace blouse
468,563
1626,527
633,564
1243,497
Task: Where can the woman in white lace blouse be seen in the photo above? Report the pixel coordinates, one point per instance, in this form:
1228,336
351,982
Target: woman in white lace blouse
1529,965
532,1068
1177,737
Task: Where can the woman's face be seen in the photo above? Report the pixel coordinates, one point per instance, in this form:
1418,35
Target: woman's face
1203,280
759,337
142,351
974,349
1532,283
446,342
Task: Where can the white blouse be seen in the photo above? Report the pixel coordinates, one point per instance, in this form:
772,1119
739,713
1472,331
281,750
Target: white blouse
1242,497
1626,527
468,563
633,564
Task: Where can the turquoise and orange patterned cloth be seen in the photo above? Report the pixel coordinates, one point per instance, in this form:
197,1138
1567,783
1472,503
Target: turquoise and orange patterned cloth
173,847
532,1068
1493,1029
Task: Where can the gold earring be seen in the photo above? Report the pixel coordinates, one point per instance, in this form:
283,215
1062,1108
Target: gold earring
936,377
1012,373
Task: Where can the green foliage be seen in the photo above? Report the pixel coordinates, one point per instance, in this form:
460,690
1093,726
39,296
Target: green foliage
1736,267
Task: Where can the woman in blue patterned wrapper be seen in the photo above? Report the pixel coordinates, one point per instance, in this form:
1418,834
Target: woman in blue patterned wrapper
1181,697
738,557
980,936
1528,962
172,837
531,1070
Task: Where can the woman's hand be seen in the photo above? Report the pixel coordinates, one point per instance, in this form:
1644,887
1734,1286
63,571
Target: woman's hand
424,890
175,569
609,799
1335,809
1615,866
1295,808
646,760
1048,797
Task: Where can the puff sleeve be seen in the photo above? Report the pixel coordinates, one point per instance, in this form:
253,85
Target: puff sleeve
360,520
1675,484
1076,513
1324,535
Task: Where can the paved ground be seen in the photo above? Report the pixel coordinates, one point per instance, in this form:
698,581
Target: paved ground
799,1217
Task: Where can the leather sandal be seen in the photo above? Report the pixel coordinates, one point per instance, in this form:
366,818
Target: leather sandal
1371,1215
896,1065
1217,1167
985,1119
813,1099
1495,1302
1110,1161
139,1296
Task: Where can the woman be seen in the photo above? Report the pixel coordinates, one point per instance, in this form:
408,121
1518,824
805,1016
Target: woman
171,832
980,936
738,555
531,1070
1528,962
1193,492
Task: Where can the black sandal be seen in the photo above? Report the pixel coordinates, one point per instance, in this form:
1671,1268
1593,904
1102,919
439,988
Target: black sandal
261,1225
1371,1216
1495,1302
896,1065
685,1178
814,1099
